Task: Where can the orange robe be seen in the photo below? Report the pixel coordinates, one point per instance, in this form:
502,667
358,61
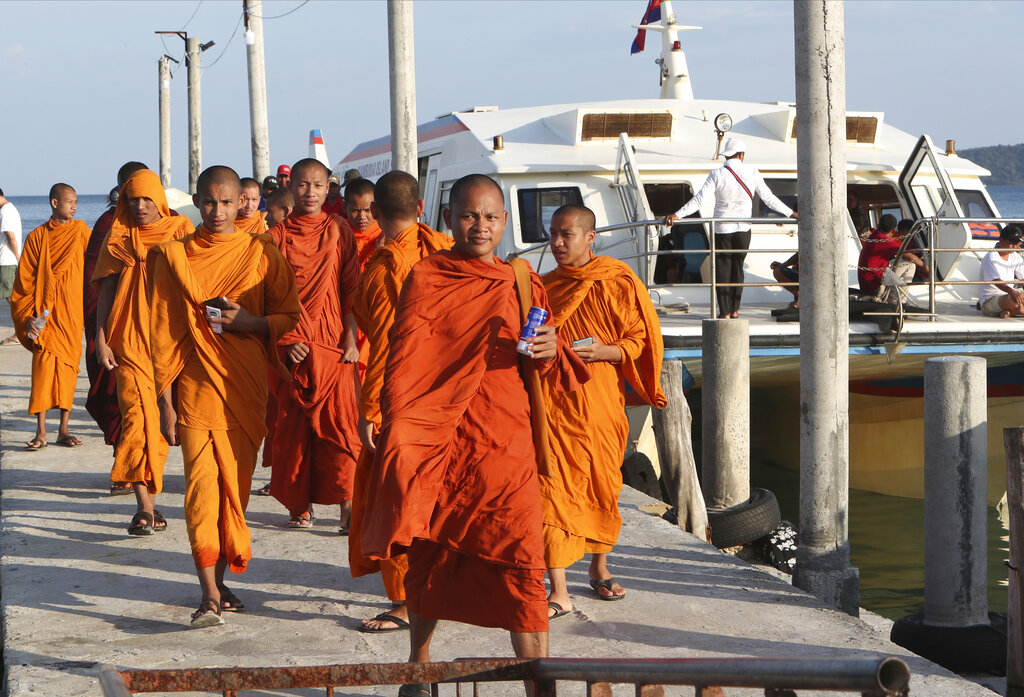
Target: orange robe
366,240
454,480
313,442
374,308
50,278
141,451
587,429
254,224
221,378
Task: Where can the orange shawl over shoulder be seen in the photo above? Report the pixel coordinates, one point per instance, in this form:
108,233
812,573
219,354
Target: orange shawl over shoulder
588,428
254,224
456,443
366,240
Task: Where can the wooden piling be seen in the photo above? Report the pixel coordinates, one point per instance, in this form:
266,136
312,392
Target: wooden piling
1013,441
675,451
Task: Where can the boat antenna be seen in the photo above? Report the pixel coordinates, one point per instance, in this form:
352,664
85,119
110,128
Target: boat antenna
674,76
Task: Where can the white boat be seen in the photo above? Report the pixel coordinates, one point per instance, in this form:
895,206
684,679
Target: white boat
638,160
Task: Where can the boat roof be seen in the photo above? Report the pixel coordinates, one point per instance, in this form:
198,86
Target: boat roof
552,138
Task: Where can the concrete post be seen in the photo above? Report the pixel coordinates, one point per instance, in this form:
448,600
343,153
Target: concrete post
725,405
403,87
257,89
165,121
823,556
955,491
195,117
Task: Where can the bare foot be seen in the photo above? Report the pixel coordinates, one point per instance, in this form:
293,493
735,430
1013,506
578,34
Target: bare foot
1004,314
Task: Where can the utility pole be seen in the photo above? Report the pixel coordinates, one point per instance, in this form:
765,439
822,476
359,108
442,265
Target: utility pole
823,555
253,13
195,132
403,87
165,120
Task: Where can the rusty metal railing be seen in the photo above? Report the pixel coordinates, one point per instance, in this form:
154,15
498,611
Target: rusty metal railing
778,677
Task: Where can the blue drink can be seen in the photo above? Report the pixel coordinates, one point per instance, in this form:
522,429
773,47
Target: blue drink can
536,317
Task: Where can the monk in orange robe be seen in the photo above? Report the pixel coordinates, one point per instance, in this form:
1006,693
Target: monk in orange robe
48,288
396,207
359,218
313,442
250,219
605,312
142,220
280,203
454,479
221,377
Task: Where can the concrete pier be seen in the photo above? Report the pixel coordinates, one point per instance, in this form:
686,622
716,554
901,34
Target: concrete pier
823,556
955,486
725,412
77,591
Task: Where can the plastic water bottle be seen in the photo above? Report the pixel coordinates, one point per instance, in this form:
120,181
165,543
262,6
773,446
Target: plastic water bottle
536,317
36,325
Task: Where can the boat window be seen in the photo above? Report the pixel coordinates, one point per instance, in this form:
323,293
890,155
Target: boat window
536,206
874,199
975,206
685,266
784,190
446,189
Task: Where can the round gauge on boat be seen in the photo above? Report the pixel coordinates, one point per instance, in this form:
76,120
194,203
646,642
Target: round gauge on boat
723,122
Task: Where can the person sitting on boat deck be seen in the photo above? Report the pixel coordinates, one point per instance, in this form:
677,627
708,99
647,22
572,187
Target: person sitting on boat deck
219,367
876,252
861,222
903,229
280,203
1004,264
733,186
788,271
249,216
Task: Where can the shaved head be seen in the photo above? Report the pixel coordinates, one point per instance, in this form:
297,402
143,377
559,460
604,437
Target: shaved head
359,187
127,170
309,162
470,181
281,197
250,183
58,190
396,194
219,174
583,216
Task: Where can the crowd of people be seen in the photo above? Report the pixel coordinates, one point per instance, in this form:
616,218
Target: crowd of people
378,362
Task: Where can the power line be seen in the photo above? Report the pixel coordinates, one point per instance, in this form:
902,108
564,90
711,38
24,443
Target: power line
194,12
225,49
297,7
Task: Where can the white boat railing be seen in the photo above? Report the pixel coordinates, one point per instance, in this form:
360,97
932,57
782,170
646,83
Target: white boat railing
926,226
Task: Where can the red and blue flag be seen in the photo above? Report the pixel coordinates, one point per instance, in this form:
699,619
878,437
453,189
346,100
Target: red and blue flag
651,15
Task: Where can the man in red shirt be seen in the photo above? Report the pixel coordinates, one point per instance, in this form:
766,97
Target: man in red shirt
876,252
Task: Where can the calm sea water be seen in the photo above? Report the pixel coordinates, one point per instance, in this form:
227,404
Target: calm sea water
886,532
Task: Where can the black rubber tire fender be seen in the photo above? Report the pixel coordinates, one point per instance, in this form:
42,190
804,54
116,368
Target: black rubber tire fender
745,522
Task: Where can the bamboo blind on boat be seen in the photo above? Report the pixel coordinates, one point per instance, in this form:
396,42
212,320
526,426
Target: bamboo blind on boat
859,129
606,126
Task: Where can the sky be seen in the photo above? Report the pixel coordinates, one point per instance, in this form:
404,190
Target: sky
79,79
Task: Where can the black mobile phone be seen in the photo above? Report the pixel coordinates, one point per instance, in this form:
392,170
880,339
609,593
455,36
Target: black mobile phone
219,303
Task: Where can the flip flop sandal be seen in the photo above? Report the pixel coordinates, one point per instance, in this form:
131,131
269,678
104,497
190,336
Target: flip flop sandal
142,524
300,522
119,489
264,490
384,617
208,614
417,689
606,583
69,441
159,522
39,445
343,530
10,341
229,602
559,610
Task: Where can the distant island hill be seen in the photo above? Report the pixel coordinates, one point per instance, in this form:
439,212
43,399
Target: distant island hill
1005,162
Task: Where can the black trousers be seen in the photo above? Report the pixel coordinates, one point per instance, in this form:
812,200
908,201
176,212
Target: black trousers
729,269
